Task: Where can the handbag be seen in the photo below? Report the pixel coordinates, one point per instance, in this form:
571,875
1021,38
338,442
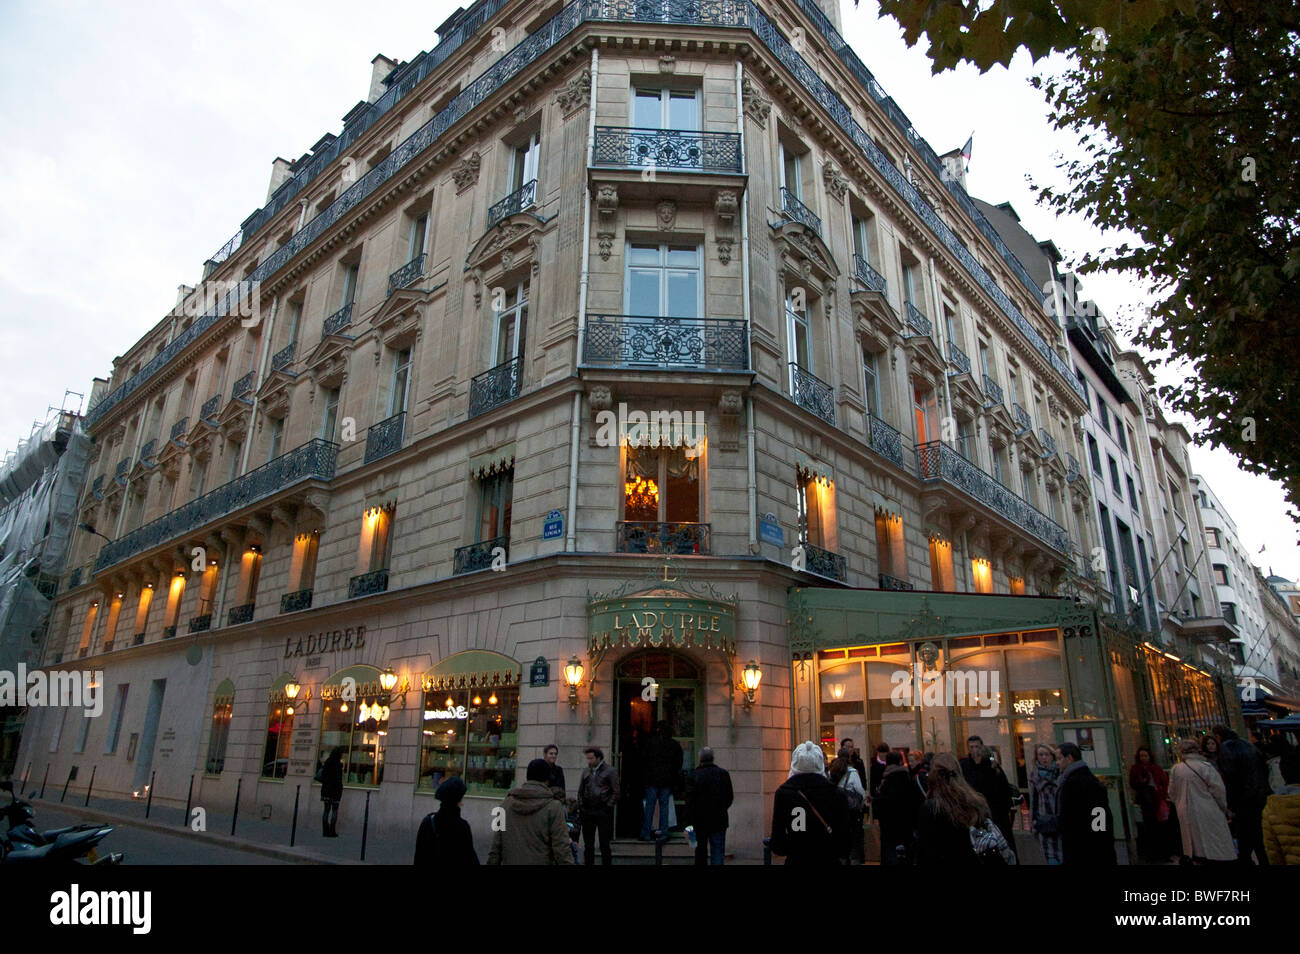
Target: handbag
989,845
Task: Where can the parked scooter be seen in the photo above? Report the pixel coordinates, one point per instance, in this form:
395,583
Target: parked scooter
23,844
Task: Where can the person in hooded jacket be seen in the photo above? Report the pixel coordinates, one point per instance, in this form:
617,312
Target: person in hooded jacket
535,830
810,816
896,807
445,840
1281,823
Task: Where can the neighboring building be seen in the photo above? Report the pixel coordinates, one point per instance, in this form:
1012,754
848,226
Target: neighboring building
1289,592
419,469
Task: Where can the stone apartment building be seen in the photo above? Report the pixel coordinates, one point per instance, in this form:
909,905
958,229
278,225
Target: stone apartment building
616,363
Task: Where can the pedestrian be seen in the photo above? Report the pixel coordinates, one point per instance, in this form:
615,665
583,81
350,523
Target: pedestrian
444,840
878,768
330,776
918,765
810,816
1277,749
597,796
555,775
533,831
949,818
1150,787
708,796
1084,804
896,808
1281,821
845,777
1210,749
984,775
1045,802
1202,804
849,750
663,768
1245,778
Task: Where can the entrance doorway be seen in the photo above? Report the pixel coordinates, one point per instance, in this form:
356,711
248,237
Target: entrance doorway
649,687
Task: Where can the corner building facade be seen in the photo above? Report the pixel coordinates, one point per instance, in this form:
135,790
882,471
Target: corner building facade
629,343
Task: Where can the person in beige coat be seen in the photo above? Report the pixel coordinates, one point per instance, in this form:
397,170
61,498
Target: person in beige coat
1202,803
534,831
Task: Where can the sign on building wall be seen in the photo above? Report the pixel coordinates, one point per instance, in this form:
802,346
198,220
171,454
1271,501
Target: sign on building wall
770,531
553,528
540,673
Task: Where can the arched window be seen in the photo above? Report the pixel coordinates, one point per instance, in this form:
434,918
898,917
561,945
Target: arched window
470,722
279,731
357,725
222,707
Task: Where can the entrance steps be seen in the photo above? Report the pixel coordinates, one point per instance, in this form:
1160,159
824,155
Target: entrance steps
630,851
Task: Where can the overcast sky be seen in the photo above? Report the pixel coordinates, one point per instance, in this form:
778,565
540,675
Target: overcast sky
138,135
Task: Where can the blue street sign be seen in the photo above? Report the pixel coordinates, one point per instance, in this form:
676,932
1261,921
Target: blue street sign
769,530
553,528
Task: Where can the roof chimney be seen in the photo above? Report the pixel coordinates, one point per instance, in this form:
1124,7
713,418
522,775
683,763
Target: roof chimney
183,292
382,66
279,175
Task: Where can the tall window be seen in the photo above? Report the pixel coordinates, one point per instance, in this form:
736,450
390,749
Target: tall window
941,571
799,330
871,380
302,563
88,627
663,281
911,283
415,245
295,319
665,109
524,162
359,727
234,451
401,378
662,484
330,414
1094,454
470,733
816,503
996,458
495,497
207,588
1114,477
222,707
1220,574
279,735
376,539
510,334
889,545
1212,537
923,406
276,442
792,171
350,273
115,725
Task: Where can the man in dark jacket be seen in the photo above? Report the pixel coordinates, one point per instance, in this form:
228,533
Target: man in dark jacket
330,777
555,774
663,767
444,840
986,777
1245,776
1087,833
534,831
810,816
877,770
895,808
708,796
597,796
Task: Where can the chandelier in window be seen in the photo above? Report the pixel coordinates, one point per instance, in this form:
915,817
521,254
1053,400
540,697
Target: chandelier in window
641,493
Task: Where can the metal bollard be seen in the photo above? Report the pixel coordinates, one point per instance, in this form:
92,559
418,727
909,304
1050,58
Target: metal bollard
26,776
661,836
44,780
365,827
189,800
90,787
767,851
293,831
148,803
71,771
239,785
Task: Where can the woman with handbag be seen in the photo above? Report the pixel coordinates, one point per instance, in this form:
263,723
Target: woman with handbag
1150,787
1045,802
1202,803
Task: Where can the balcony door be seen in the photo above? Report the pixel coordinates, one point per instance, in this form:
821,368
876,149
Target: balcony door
799,334
523,169
663,297
677,109
508,337
661,494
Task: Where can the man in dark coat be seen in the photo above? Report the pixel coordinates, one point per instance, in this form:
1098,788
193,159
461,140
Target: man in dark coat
986,777
444,840
877,769
1087,832
597,796
330,777
810,816
708,796
555,774
895,807
663,767
1245,776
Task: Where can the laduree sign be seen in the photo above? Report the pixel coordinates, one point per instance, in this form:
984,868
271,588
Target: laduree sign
666,619
339,640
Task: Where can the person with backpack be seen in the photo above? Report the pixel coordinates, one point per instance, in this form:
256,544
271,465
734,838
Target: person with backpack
845,777
444,839
953,826
1087,828
810,816
895,807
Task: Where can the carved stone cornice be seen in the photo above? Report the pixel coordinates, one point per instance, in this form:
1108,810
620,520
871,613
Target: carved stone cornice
465,173
575,95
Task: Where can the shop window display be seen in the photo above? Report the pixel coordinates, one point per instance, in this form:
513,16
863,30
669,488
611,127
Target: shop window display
471,733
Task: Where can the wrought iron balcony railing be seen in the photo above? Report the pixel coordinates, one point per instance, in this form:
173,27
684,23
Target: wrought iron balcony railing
812,393
75,579
201,624
241,614
368,584
886,441
825,563
283,358
314,460
169,631
478,556
385,437
918,326
494,387
958,359
867,275
1071,468
525,197
676,343
796,211
888,582
179,429
336,322
408,274
650,536
672,150
992,392
242,387
137,639
120,473
939,462
1049,442
293,602
1022,418
210,408
97,488
146,452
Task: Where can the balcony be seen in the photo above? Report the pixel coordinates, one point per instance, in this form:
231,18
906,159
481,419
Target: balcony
385,437
1022,418
179,429
147,452
314,460
958,359
368,584
918,326
888,582
824,562
241,614
137,639
169,632
336,322
201,624
120,473
478,556
283,358
495,387
886,441
242,387
97,488
1049,442
796,211
673,150
75,579
1071,468
407,275
525,197
939,462
868,276
210,408
992,392
812,393
705,344
108,646
293,602
662,537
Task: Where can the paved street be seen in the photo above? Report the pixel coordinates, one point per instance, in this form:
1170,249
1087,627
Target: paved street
156,846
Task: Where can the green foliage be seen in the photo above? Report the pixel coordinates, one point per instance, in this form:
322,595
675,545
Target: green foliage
1186,115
